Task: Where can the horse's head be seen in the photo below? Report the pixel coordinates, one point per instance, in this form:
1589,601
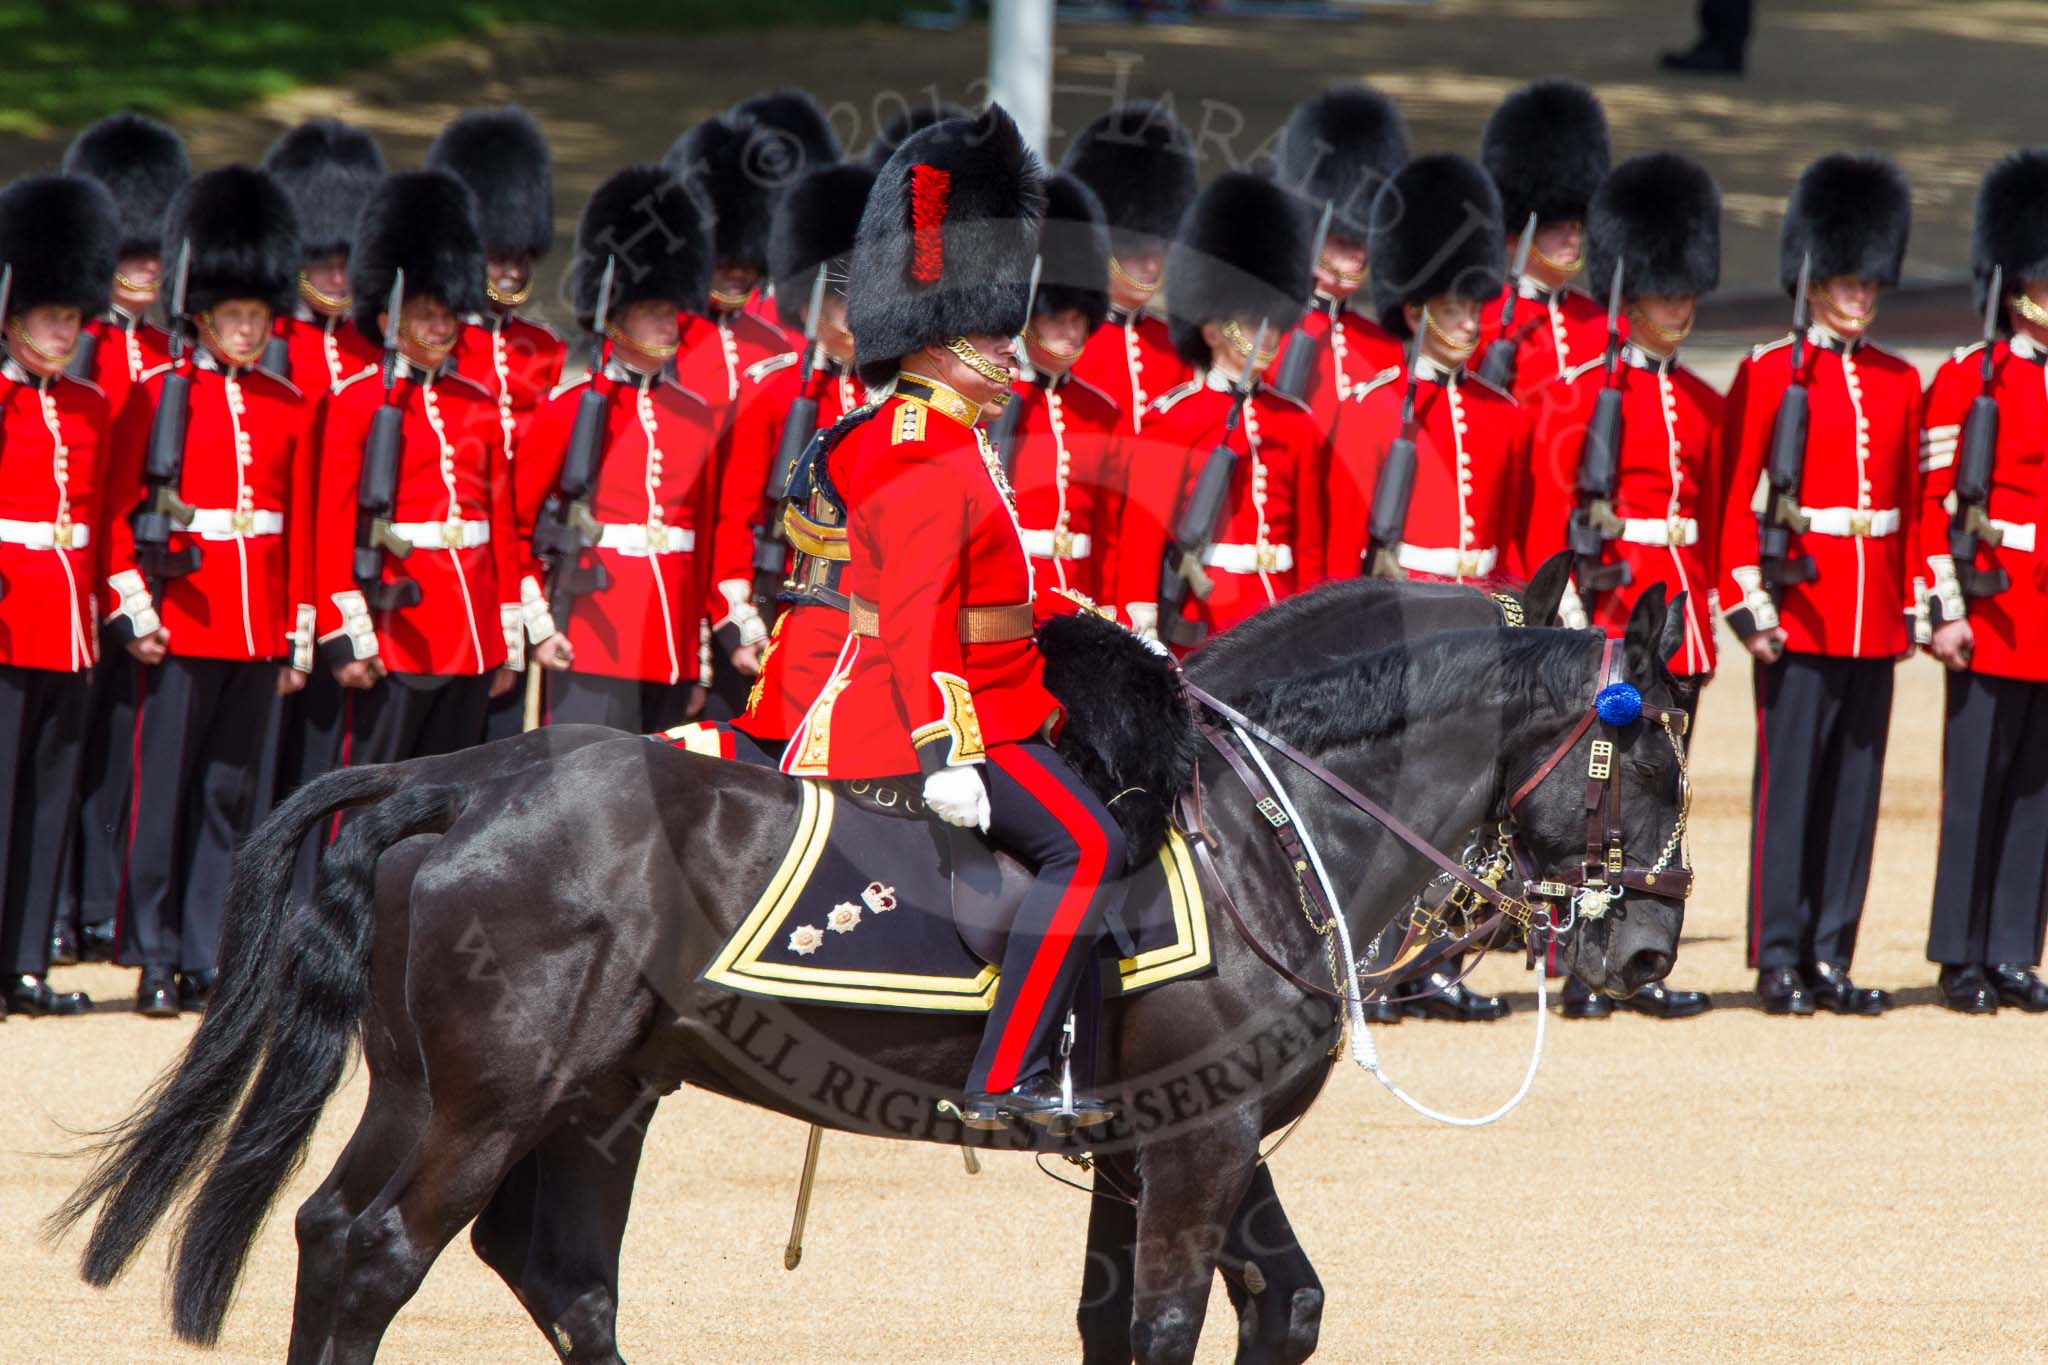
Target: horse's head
1606,818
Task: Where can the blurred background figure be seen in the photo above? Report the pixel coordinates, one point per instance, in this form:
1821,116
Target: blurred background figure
1724,36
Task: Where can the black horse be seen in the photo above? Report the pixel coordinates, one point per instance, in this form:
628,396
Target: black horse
370,1233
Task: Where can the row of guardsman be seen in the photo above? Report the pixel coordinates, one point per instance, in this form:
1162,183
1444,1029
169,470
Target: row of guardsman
336,507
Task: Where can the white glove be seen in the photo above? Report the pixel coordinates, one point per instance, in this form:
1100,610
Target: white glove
1571,609
1144,620
957,796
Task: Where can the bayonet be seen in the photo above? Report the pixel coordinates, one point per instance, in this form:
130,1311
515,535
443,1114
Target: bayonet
1498,368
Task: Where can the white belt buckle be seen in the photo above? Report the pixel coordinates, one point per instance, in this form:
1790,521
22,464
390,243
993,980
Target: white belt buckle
61,535
657,538
1062,544
1674,532
244,522
1860,522
1468,564
451,534
1268,558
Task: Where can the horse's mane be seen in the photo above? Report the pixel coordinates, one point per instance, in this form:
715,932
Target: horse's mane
1379,693
1268,633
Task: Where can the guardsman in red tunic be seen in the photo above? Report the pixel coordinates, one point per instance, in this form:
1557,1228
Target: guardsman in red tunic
1335,151
1431,273
142,163
628,650
1060,439
1826,646
1141,165
422,673
59,234
1990,616
1240,264
1657,219
813,232
1546,148
328,168
1436,252
503,158
219,612
941,674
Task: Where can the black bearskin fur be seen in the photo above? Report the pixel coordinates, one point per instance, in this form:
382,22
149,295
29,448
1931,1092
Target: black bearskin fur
802,137
244,236
670,262
739,174
2012,225
62,235
1852,214
424,223
905,123
1546,147
1436,229
329,169
1141,165
815,224
1338,149
143,165
1659,215
503,156
1074,247
1242,253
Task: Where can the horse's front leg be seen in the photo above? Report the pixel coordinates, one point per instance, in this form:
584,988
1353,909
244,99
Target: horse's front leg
1193,1182
1104,1316
1278,1298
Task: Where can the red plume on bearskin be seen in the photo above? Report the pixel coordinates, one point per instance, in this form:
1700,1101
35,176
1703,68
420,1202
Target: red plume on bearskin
930,187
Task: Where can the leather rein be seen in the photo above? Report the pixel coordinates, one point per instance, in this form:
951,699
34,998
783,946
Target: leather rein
1602,876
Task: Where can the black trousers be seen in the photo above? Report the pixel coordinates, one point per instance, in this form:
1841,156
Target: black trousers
1821,727
505,716
1041,812
640,708
1992,870
312,732
100,858
411,715
203,774
1725,24
42,748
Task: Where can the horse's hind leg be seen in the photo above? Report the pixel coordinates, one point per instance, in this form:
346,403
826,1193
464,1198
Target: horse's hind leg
1192,1185
573,1193
393,1118
1278,1298
1104,1316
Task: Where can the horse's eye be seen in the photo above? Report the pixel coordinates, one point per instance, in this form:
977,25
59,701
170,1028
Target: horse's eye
1644,769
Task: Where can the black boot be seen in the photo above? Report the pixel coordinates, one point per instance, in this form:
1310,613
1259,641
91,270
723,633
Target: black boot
1581,1003
157,996
27,994
1783,991
1833,990
1968,990
1661,1002
1037,1100
195,989
1383,1009
2019,985
1434,996
96,942
1704,59
63,947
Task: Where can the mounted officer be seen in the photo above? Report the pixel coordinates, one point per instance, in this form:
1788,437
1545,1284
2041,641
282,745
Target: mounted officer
941,673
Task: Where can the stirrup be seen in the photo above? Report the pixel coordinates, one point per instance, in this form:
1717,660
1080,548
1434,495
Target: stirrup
983,1113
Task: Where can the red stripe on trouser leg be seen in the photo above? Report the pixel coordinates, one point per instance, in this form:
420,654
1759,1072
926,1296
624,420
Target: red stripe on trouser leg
1042,787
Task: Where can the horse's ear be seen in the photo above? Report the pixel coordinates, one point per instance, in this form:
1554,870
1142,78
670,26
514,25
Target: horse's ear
1645,631
1672,638
1546,590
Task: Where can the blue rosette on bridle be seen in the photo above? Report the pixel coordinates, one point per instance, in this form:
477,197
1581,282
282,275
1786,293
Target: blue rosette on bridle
1618,704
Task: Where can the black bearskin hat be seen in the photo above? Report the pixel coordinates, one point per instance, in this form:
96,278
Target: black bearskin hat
899,127
946,242
1660,216
1546,148
792,137
1435,229
671,262
244,236
739,168
2012,225
502,155
1138,160
142,163
424,223
1851,214
815,225
62,235
1074,249
1338,149
329,169
1242,252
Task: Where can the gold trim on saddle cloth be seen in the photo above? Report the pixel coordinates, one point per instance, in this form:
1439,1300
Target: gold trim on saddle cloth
739,965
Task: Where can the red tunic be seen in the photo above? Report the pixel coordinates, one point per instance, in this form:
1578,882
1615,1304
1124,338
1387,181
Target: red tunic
1133,361
54,518
932,535
653,500
751,440
126,347
1266,537
249,477
1557,331
454,504
1862,476
517,361
1468,447
1668,490
323,351
1067,475
2010,628
714,357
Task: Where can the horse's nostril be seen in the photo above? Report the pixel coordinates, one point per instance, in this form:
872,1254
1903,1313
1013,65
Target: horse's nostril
1643,967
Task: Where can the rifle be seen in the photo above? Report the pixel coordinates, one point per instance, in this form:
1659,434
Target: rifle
1593,522
84,355
1299,362
1394,489
1498,369
567,528
377,487
1003,435
163,466
1779,515
1195,530
1970,524
799,425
